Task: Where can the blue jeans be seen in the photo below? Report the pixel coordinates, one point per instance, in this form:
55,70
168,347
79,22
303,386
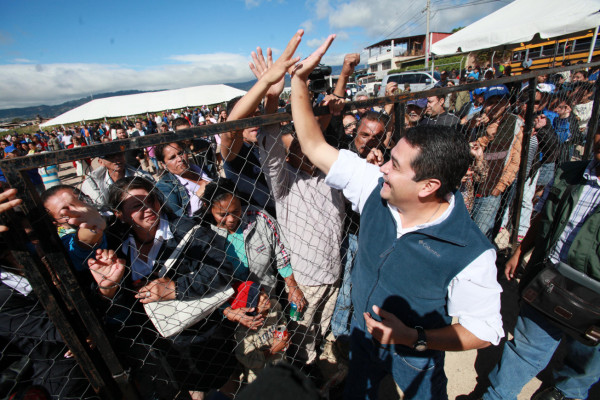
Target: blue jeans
530,351
546,174
419,377
484,213
340,322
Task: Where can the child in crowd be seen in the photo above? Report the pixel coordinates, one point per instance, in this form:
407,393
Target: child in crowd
261,346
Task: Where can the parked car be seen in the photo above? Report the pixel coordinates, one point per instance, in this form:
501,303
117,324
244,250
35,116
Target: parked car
351,89
418,81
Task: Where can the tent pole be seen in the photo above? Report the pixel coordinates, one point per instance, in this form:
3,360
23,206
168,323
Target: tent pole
592,45
427,47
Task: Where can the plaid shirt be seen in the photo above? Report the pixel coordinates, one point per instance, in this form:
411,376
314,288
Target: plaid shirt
587,204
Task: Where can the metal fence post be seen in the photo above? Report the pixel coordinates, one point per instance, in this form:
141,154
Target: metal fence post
399,112
101,366
593,123
522,175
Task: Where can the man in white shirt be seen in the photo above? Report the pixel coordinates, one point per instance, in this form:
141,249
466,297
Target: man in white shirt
421,260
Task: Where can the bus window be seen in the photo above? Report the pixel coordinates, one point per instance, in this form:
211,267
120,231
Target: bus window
548,50
582,45
517,55
561,48
535,52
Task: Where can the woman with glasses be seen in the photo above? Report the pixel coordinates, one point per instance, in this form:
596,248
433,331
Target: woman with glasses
197,359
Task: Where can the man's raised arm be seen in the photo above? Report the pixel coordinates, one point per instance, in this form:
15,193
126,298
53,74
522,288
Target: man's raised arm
313,143
231,142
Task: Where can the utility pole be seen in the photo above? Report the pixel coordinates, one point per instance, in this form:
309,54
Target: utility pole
428,10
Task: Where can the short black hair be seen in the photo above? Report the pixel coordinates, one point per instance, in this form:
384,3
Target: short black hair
180,122
218,190
160,149
444,154
374,116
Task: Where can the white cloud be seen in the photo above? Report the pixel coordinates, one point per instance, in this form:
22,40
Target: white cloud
23,61
342,35
252,3
28,85
322,8
333,59
308,26
316,42
391,18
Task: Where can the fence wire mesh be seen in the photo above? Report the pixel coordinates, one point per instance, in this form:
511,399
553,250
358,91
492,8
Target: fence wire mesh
205,259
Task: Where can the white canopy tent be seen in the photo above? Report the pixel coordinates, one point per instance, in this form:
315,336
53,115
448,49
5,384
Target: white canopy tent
519,21
118,106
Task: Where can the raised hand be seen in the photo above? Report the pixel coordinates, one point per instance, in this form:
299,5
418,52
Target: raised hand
335,104
276,71
305,67
350,62
83,216
107,270
259,67
8,201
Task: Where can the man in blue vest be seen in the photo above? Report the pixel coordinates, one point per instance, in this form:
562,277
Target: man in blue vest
421,260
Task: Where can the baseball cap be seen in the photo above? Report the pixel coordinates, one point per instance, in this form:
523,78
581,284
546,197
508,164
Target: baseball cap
499,90
480,91
545,88
421,103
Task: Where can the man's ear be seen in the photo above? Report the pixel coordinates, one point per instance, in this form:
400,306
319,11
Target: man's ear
430,186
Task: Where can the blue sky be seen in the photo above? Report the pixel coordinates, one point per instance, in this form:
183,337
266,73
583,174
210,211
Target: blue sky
54,51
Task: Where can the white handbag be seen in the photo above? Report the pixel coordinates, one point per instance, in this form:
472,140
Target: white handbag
170,317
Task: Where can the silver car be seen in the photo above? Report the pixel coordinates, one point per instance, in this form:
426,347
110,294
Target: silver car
418,81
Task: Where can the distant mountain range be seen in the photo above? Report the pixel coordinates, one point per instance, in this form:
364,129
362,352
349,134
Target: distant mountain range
44,111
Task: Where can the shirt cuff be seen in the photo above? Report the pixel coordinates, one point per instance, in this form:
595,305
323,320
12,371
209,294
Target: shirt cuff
339,175
488,330
286,271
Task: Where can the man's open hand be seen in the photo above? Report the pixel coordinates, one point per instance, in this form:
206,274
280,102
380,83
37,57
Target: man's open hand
277,70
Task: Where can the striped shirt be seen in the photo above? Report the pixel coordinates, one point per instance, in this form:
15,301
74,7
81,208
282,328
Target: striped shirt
588,203
49,176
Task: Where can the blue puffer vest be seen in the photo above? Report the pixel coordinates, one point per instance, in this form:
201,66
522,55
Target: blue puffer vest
409,276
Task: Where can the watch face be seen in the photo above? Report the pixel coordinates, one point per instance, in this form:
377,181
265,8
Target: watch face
421,346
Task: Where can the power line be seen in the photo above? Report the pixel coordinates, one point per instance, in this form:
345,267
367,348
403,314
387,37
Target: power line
474,3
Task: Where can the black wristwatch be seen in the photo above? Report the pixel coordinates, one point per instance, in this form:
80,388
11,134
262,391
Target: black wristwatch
421,343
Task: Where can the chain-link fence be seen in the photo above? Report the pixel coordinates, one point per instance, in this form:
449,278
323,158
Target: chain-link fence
176,264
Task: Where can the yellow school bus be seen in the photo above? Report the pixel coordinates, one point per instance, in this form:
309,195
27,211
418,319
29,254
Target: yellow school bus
554,52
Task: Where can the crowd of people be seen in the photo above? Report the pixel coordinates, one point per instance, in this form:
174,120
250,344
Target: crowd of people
340,240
